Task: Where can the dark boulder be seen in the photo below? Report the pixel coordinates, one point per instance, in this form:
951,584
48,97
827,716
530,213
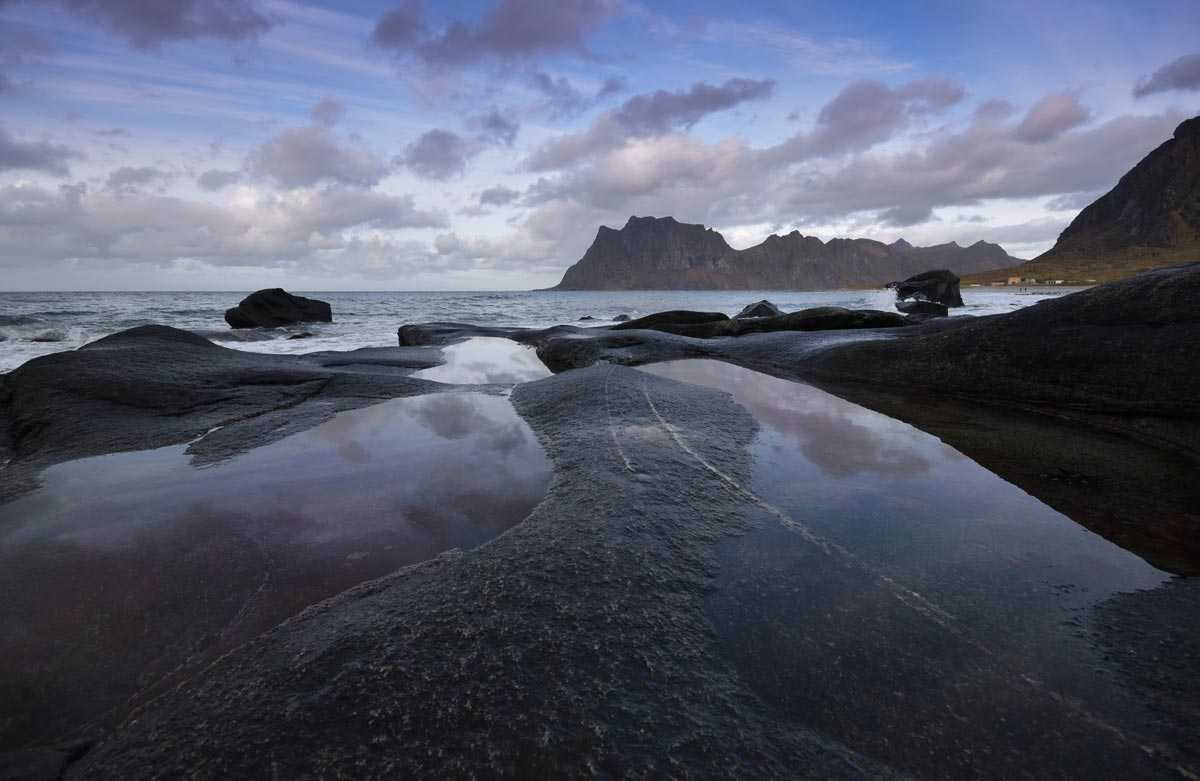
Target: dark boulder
924,308
302,335
707,325
275,307
587,317
938,286
823,318
621,319
677,321
762,308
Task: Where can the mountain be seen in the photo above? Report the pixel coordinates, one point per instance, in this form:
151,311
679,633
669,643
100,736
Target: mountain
1150,219
660,253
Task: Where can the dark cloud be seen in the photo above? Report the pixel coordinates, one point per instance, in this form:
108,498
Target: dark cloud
215,179
565,100
327,111
660,111
498,196
512,29
300,157
34,155
866,113
495,128
128,178
646,114
440,154
400,27
903,216
929,95
1051,116
150,23
1180,74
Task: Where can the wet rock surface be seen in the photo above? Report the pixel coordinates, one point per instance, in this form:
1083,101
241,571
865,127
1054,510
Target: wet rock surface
928,308
762,308
939,287
275,307
623,627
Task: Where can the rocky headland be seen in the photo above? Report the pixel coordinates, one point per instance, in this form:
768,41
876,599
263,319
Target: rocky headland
660,253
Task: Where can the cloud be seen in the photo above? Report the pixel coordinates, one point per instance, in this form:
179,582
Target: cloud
214,179
498,196
327,111
34,155
400,27
72,223
565,100
863,114
660,111
1180,74
903,216
1051,116
113,132
440,154
301,157
494,128
128,178
731,183
512,29
148,25
645,114
1072,202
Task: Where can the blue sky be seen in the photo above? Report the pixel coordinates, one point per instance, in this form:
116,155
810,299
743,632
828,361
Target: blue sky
235,144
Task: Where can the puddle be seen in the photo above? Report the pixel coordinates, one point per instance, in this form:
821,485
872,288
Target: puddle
484,360
123,567
935,617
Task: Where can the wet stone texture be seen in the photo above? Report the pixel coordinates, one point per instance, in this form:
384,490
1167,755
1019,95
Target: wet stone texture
898,597
125,573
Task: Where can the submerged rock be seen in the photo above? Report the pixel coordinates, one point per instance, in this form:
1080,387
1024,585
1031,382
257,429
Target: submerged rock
762,308
937,286
275,307
621,318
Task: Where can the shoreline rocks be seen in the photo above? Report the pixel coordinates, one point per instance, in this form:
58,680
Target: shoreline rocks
274,307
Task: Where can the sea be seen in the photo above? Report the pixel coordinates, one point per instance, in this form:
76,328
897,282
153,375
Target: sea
35,324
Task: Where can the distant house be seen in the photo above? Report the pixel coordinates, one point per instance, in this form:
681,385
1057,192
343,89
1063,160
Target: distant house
1014,280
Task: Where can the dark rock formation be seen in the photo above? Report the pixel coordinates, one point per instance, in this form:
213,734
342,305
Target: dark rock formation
621,319
940,287
919,307
1124,355
275,307
674,317
661,254
762,308
1156,206
587,317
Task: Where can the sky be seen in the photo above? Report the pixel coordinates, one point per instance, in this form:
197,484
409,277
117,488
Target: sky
239,144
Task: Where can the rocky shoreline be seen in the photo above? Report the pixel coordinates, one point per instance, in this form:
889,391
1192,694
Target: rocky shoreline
579,642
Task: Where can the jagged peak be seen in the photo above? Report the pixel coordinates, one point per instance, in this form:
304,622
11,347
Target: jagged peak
901,243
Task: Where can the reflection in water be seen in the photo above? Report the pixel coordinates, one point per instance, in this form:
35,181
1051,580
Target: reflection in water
125,567
486,359
943,626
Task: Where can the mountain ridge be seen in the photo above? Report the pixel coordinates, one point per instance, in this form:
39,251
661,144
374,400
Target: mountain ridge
661,253
1149,219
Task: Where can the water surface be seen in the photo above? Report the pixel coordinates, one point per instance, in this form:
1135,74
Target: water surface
900,598
124,569
485,360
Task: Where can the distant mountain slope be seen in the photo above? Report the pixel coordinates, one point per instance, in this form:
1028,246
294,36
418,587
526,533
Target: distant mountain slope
660,253
1150,219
